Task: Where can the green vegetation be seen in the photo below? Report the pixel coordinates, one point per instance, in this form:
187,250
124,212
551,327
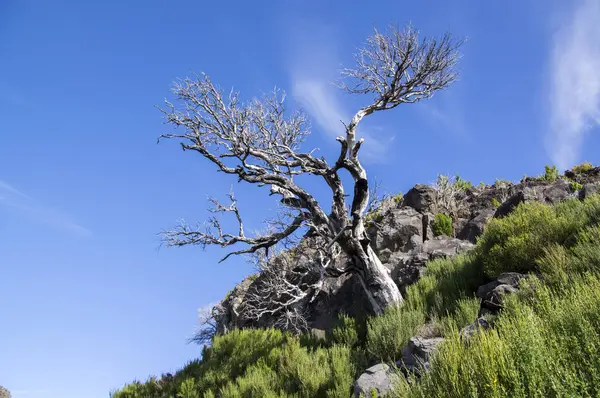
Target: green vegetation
462,184
550,173
442,225
398,198
496,202
544,343
583,167
575,186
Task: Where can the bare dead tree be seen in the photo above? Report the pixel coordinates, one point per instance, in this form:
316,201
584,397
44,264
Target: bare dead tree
258,144
207,326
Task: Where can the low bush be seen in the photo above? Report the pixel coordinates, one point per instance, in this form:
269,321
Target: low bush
442,225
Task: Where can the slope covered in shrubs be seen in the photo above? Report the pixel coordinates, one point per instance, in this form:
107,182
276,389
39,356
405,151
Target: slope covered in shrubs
544,342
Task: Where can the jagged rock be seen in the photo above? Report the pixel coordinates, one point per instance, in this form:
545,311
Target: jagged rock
527,194
469,331
407,268
557,192
420,197
427,226
506,278
395,231
379,377
4,393
584,177
474,227
417,354
588,190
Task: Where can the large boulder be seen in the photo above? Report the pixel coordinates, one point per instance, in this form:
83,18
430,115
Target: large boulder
394,232
421,198
378,378
588,190
527,194
557,192
475,226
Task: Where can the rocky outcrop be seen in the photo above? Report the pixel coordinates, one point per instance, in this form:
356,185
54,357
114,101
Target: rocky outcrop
399,231
407,268
474,227
421,198
378,379
401,235
471,330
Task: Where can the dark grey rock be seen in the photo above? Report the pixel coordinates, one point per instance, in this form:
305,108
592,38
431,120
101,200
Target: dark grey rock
421,198
507,278
588,190
395,231
407,268
557,192
527,194
475,226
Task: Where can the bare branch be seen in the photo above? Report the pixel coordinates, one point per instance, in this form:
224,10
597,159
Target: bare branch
214,235
207,326
399,68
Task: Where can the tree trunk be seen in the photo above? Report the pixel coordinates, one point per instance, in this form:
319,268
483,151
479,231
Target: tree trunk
375,279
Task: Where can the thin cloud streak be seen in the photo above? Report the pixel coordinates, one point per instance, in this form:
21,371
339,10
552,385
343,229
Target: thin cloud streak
575,98
13,198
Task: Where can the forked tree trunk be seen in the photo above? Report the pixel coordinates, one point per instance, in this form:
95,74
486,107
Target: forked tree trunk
379,287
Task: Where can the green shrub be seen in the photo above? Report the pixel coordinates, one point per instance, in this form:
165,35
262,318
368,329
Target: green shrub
496,202
462,184
543,345
515,242
444,283
583,167
345,333
442,225
550,173
389,332
398,198
575,186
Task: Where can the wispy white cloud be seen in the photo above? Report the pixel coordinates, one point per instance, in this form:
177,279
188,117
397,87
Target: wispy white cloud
17,200
575,85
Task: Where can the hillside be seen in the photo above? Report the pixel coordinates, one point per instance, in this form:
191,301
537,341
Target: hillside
502,296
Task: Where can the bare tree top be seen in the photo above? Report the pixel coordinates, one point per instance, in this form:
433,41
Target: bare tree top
259,143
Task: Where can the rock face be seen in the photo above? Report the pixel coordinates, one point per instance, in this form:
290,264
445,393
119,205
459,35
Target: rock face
378,378
401,236
420,197
395,232
407,268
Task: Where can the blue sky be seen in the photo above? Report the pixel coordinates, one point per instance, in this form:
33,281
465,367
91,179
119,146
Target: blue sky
88,302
